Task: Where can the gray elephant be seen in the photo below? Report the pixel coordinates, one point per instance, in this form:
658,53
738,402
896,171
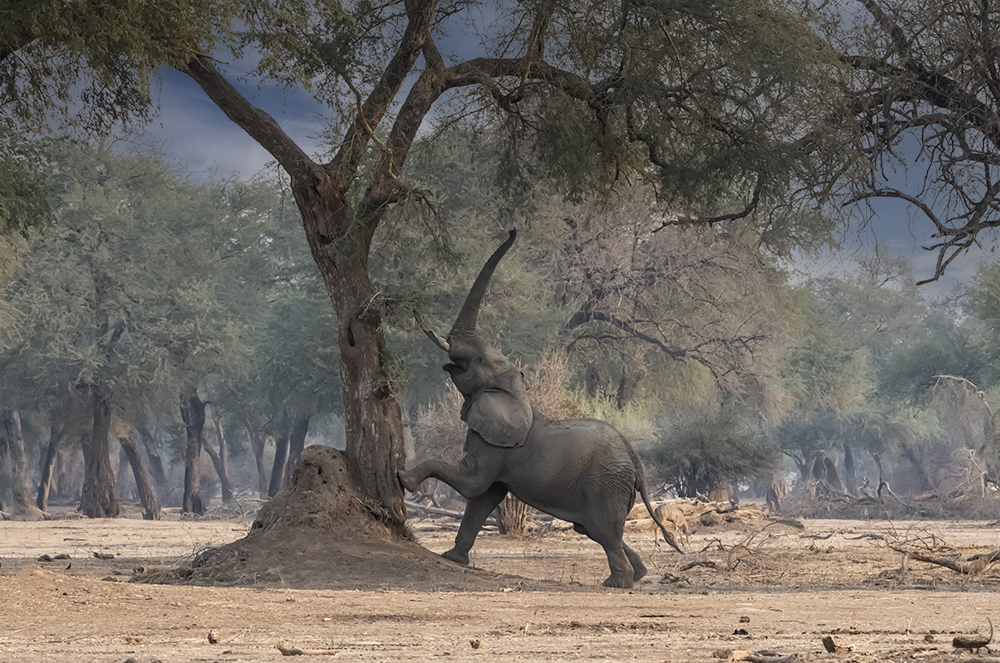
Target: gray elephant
582,470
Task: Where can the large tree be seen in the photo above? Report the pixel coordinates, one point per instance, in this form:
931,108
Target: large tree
709,100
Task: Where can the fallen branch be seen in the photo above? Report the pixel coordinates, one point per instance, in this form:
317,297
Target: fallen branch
976,564
762,657
707,563
434,511
288,650
831,646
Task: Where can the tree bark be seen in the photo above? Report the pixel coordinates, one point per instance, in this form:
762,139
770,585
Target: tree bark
278,467
372,417
219,460
150,506
850,475
98,499
56,433
917,463
18,463
257,442
193,415
163,491
296,442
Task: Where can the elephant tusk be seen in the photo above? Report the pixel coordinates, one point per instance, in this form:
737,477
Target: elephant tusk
438,341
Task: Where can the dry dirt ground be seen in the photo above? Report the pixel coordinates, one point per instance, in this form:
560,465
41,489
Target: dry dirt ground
775,591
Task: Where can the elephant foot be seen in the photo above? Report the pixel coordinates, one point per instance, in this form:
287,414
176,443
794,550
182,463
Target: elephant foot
638,571
408,480
457,557
621,582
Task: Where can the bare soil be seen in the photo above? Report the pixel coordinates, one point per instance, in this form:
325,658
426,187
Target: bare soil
530,599
313,573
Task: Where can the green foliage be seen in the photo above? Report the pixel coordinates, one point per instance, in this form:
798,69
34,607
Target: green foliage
24,178
95,302
104,53
699,449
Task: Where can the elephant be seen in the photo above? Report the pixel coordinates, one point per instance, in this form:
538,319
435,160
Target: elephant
583,470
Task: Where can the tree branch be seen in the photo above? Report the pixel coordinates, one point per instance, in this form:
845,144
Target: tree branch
258,124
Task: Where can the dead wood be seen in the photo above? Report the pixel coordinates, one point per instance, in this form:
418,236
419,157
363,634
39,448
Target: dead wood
831,646
791,522
762,657
434,511
976,564
973,642
288,650
707,563
818,537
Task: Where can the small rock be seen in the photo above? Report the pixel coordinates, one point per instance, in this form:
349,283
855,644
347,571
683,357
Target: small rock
213,637
476,644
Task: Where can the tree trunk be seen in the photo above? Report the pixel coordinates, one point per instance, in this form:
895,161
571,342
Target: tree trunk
512,516
257,442
18,463
98,499
219,460
917,462
123,487
48,466
150,507
372,418
850,475
296,442
278,468
193,414
155,465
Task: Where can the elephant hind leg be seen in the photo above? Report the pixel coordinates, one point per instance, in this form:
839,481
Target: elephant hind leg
622,573
638,568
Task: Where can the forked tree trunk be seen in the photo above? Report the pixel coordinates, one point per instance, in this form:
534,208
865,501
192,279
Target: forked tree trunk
48,465
219,460
296,442
10,420
98,499
278,467
123,487
150,506
155,466
193,415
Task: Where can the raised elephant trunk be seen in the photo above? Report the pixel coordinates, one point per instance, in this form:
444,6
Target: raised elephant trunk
465,325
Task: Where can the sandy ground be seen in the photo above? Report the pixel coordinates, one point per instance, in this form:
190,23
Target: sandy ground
775,590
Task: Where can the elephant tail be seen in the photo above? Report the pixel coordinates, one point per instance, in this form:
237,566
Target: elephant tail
640,485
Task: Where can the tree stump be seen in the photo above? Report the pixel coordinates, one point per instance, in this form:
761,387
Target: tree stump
512,516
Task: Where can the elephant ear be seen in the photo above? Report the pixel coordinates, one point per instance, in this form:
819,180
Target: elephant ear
499,417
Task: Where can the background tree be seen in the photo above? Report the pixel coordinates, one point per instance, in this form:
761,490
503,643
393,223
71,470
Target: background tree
100,315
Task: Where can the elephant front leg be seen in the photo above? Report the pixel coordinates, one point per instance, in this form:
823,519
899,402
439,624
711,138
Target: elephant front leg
466,476
477,510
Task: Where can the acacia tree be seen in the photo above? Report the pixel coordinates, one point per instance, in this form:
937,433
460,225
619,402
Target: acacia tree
924,93
711,101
